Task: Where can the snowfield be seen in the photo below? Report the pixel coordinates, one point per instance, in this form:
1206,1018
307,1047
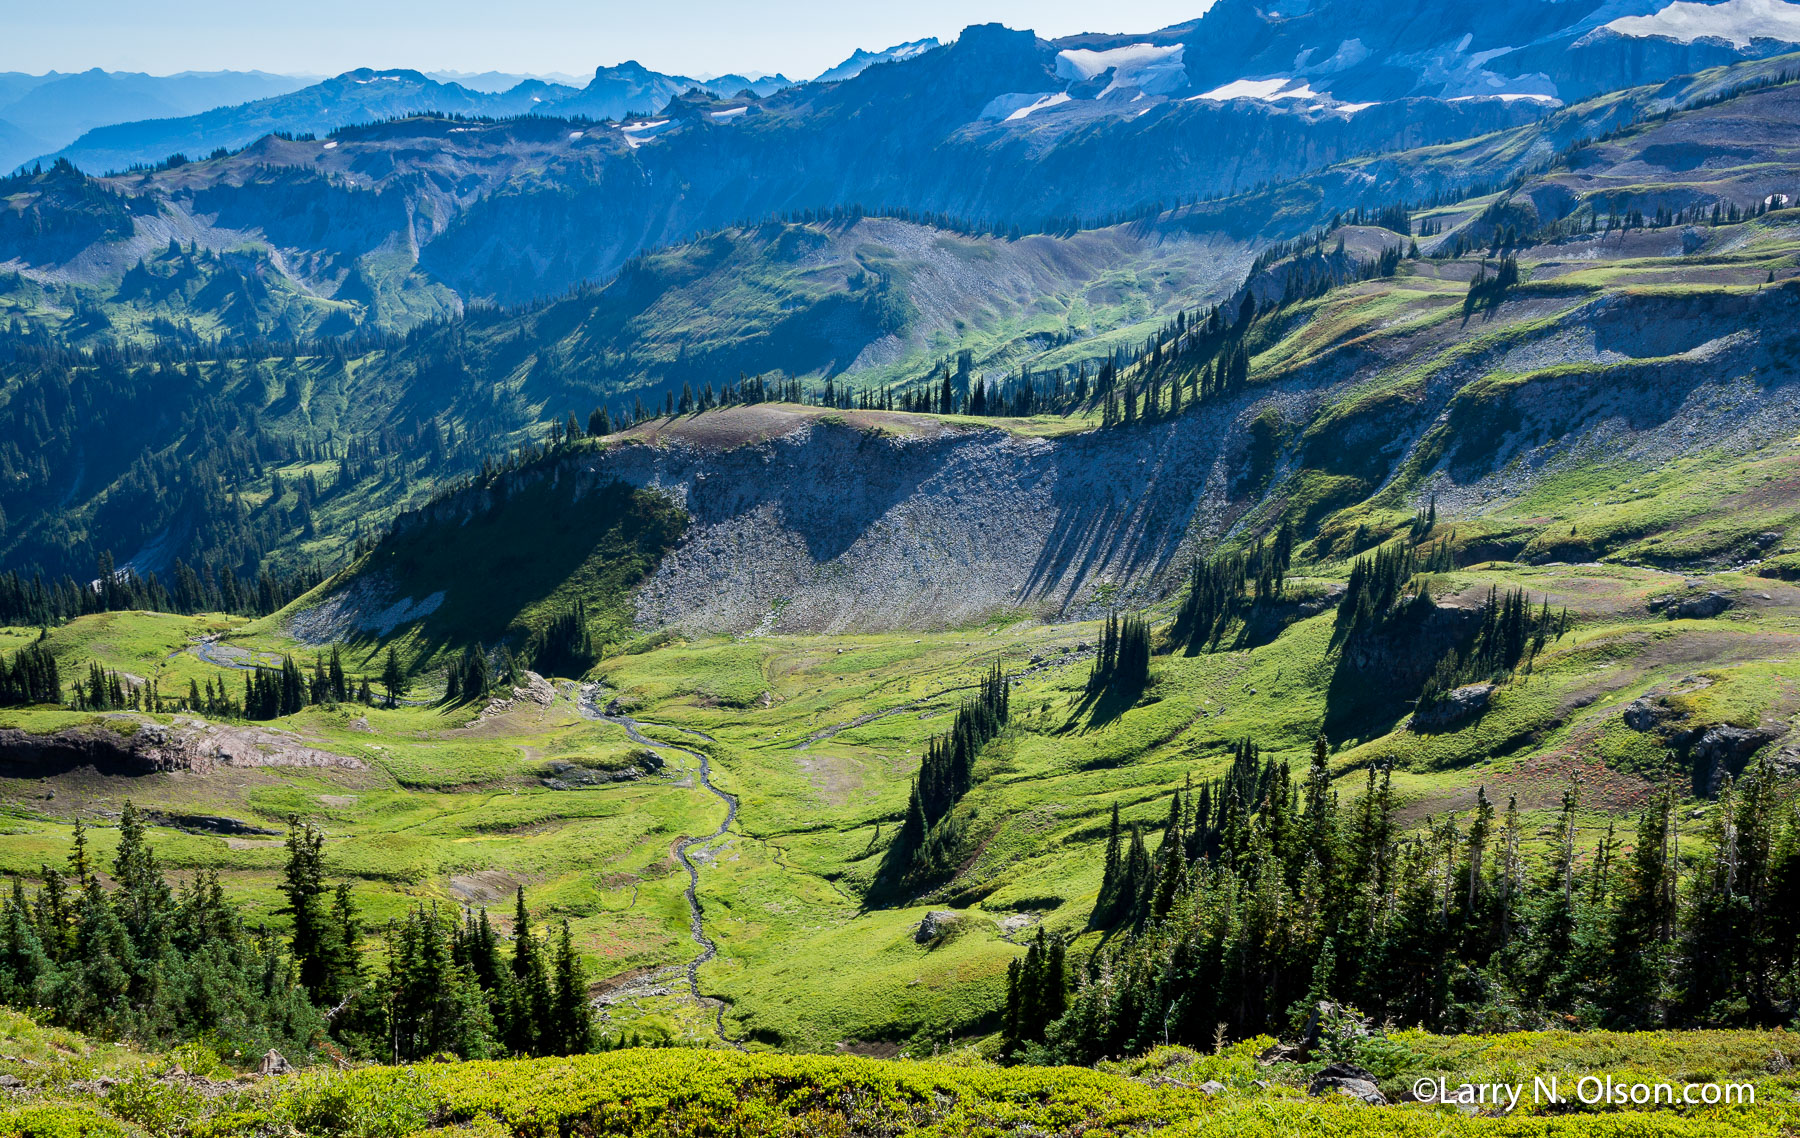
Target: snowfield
1267,90
1005,106
1737,22
638,133
1153,69
1046,101
1509,97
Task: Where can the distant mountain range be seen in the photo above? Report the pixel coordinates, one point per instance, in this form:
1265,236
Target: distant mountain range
396,196
1301,56
98,119
42,113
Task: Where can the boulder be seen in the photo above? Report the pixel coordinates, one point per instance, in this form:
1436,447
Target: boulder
274,1063
1211,1087
1645,714
1348,1079
1700,607
537,690
1453,707
936,924
1313,1033
1279,1053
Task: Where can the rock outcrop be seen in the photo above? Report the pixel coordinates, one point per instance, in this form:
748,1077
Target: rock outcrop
937,925
138,745
1720,752
1453,707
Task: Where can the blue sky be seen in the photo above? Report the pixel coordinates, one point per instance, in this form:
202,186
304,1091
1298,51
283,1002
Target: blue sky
797,37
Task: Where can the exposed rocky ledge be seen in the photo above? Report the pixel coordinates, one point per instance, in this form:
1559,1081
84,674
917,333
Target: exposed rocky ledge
138,745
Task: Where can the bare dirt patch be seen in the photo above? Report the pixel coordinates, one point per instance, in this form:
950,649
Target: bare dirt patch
869,1049
484,887
1538,784
835,777
760,422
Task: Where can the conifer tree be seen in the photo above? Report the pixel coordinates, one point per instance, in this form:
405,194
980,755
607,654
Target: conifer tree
393,677
571,1019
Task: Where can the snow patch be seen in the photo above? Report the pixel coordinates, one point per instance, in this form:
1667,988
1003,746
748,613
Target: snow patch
1349,53
575,134
1047,101
1737,22
332,145
359,608
1267,90
1003,106
1510,97
1151,68
638,133
728,115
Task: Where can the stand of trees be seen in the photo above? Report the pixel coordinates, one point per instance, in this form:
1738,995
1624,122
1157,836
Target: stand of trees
1511,633
566,646
163,963
1215,595
147,960
1263,894
31,600
31,676
1122,662
923,853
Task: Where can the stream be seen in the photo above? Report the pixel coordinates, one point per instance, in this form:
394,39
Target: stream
590,708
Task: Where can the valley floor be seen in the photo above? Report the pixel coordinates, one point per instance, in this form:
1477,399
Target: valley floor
818,739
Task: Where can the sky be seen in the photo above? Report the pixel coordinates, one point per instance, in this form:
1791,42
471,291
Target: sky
798,38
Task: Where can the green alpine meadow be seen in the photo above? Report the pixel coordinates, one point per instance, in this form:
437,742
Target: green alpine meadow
1240,579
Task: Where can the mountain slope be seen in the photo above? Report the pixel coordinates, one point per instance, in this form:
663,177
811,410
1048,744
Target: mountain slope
875,304
881,298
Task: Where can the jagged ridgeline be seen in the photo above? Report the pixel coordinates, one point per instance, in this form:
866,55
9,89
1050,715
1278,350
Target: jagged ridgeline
924,853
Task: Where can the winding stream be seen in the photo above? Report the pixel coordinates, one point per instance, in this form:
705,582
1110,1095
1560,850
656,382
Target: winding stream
587,703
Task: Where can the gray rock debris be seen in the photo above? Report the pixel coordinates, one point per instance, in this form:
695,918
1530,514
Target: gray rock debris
1348,1079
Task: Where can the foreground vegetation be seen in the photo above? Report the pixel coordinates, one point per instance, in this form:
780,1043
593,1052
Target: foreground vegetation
68,1085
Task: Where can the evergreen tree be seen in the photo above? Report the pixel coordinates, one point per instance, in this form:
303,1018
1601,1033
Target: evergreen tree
571,1027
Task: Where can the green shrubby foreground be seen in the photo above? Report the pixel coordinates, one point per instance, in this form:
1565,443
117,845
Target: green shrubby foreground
716,1092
